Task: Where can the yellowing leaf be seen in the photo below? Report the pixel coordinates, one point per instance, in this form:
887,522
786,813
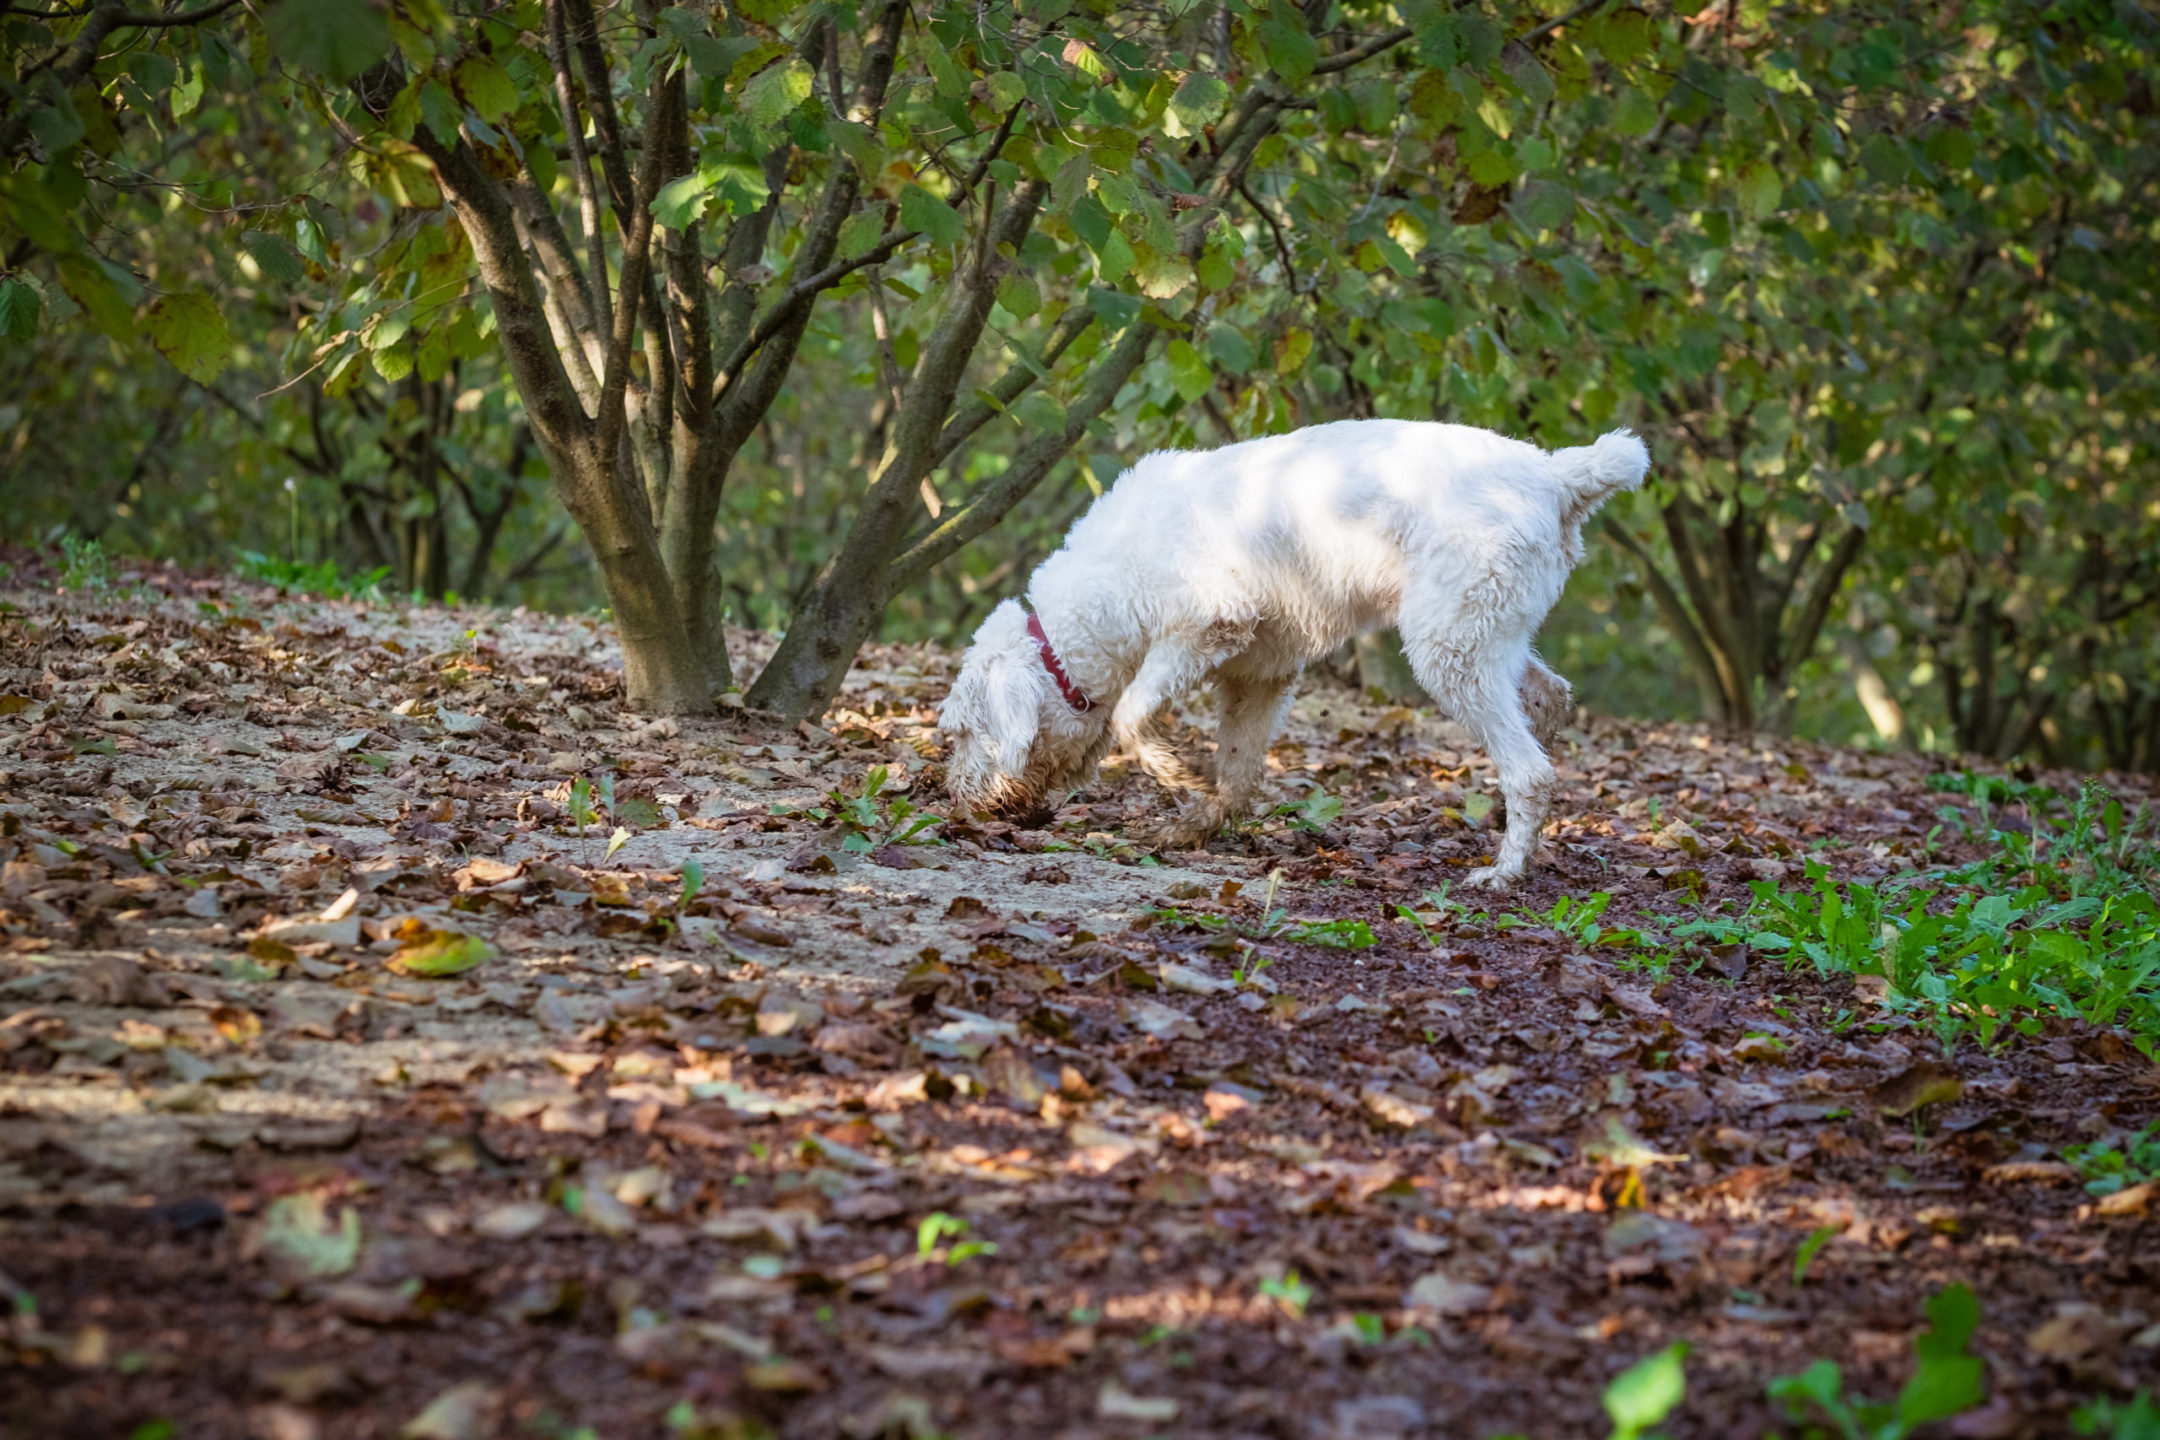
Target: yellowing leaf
438,954
189,329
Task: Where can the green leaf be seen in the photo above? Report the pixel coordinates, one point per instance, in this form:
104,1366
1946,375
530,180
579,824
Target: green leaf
1951,147
1162,274
1290,51
1018,293
1884,158
487,88
861,232
1646,1392
776,90
1760,188
1637,112
276,259
1197,100
1625,36
920,210
18,311
1189,372
1949,1381
1006,89
189,329
1810,1247
337,39
442,953
1230,348
946,72
1293,350
693,880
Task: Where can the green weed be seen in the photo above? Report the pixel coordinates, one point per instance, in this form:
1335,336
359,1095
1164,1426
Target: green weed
1314,813
321,578
2059,921
1646,1392
2137,1420
1291,1293
85,565
2115,1164
872,819
1275,924
1946,1382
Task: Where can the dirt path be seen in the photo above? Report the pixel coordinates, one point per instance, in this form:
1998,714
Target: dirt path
1018,1134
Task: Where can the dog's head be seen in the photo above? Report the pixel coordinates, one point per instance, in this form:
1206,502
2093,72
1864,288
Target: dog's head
1014,742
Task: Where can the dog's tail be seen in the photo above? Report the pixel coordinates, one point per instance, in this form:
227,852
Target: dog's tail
1589,473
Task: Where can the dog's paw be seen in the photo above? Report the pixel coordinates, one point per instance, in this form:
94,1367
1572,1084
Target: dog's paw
1188,829
1491,877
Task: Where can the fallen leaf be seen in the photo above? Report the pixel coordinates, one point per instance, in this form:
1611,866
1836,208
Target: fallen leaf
1115,1402
1915,1088
1443,1294
439,954
299,1241
463,1412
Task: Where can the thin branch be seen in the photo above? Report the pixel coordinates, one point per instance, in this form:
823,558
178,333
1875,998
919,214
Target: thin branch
1029,467
973,414
1672,610
799,294
580,164
187,17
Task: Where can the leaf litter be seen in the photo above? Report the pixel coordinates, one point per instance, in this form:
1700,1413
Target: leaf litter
397,1037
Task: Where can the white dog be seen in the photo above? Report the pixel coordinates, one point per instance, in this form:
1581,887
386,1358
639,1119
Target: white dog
1240,565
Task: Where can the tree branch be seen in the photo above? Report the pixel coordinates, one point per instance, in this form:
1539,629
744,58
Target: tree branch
1820,597
580,164
1028,468
974,413
600,96
636,270
1674,613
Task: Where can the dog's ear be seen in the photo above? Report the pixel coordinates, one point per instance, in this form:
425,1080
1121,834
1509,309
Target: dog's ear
1012,694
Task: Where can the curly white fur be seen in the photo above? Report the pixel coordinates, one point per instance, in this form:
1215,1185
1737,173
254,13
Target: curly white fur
1238,566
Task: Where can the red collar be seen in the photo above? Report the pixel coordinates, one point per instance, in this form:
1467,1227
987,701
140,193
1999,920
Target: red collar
1070,691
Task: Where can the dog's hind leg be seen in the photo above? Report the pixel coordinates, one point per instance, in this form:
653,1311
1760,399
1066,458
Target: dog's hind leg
1488,701
1547,699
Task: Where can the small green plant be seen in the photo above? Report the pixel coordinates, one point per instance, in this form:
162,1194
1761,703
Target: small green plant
2115,1163
2139,1419
936,1228
872,819
1579,921
1945,1382
1810,1248
2061,921
1291,1293
1314,813
1275,924
321,578
84,564
1646,1392
1247,970
693,880
580,808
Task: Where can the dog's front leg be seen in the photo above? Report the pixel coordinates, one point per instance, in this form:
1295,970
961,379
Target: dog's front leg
1141,725
1137,721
